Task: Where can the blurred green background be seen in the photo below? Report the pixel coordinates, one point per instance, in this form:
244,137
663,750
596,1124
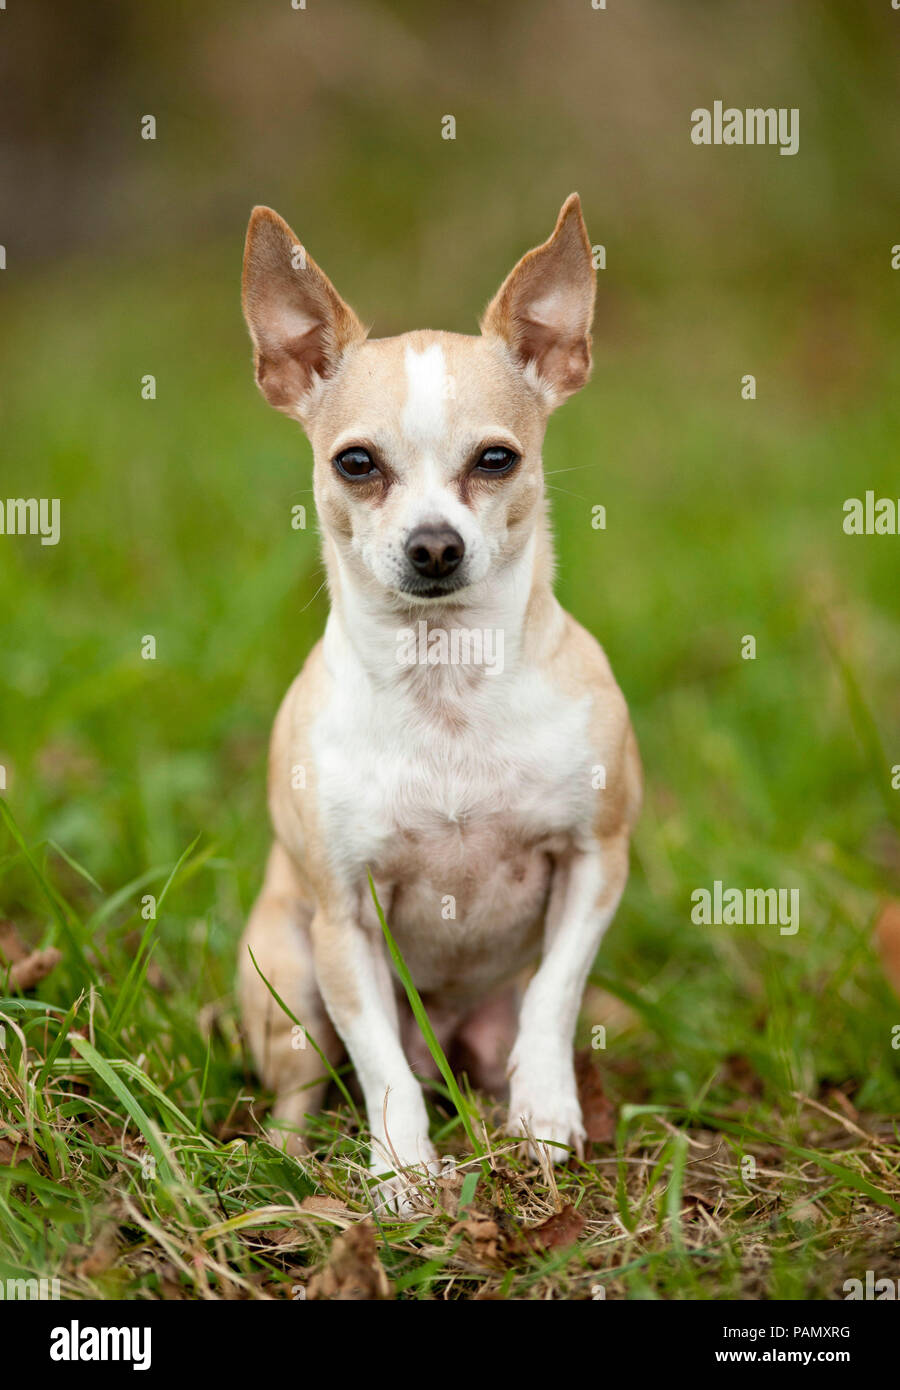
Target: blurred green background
724,515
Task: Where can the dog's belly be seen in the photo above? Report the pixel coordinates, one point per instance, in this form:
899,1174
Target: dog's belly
466,905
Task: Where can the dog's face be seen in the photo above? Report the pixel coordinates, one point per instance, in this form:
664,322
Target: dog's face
427,447
427,462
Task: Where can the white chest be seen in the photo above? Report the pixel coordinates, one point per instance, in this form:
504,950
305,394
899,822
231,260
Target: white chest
407,784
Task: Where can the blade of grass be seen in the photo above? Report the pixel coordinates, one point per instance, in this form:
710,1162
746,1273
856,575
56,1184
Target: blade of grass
424,1023
75,866
294,1019
131,985
131,1104
674,1190
67,928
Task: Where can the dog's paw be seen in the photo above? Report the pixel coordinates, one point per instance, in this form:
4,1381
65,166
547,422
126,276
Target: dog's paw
410,1189
549,1118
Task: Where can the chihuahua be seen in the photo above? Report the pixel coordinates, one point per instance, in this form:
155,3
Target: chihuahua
492,800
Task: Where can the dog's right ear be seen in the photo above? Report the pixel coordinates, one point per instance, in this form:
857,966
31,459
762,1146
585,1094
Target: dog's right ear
299,324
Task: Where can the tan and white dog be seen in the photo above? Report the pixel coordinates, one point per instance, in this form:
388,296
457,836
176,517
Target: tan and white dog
492,802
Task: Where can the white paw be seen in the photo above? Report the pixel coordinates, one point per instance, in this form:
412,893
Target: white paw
550,1117
404,1189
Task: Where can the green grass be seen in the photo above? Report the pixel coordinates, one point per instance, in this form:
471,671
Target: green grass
132,1162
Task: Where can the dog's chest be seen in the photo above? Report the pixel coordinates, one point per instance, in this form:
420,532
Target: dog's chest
457,808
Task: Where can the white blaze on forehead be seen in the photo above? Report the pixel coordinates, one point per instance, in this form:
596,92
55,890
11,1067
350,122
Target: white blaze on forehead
424,411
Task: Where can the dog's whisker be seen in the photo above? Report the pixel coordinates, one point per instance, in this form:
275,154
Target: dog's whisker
316,594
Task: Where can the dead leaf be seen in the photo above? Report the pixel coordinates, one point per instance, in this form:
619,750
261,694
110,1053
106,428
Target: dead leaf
449,1184
324,1206
12,947
289,1237
563,1228
887,937
28,973
352,1272
482,1234
15,1149
597,1111
27,968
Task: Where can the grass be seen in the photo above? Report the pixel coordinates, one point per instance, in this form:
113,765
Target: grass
752,1076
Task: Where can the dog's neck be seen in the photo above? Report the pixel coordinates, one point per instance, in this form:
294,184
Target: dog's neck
516,601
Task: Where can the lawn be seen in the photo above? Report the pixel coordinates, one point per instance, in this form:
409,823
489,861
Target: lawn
746,1133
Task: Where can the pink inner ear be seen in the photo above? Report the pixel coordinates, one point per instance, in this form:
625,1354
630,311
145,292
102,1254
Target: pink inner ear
288,324
550,324
285,367
561,312
571,364
563,360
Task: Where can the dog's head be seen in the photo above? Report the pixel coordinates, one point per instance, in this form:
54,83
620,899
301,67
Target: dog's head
427,446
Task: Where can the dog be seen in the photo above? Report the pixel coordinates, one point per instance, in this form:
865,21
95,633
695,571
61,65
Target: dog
492,803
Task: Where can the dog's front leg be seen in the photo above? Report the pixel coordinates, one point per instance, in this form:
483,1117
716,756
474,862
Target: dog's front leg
544,1102
355,983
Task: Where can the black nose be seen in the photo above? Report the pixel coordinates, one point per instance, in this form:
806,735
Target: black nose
435,551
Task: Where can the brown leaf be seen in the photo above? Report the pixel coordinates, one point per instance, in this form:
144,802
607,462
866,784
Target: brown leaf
482,1233
28,968
12,947
288,1236
324,1206
352,1272
887,937
28,973
449,1186
14,1150
563,1228
597,1111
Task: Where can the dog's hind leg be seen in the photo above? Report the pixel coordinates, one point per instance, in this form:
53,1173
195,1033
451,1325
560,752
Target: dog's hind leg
278,935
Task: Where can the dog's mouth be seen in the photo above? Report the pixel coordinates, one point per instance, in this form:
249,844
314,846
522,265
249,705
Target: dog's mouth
431,591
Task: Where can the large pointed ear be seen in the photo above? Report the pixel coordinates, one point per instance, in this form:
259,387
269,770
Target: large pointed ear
299,324
545,307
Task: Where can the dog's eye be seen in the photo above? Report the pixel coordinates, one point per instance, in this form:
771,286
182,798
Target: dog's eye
497,459
355,464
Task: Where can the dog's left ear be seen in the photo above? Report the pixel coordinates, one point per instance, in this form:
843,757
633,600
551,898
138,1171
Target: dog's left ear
545,307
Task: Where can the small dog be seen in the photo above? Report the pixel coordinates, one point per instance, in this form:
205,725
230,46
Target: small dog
492,800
